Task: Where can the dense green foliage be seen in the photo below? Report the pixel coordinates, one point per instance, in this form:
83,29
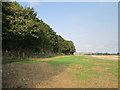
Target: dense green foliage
25,35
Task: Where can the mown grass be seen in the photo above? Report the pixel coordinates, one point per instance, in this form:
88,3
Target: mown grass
88,64
85,72
67,60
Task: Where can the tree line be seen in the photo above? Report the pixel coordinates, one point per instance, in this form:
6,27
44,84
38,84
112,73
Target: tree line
102,53
25,35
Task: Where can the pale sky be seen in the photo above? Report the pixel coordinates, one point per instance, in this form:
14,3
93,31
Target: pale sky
92,26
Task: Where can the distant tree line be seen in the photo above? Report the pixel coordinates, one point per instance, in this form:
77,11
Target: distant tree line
25,35
102,54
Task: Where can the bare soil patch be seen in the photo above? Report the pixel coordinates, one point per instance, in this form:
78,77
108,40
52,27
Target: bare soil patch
71,70
59,81
97,83
28,75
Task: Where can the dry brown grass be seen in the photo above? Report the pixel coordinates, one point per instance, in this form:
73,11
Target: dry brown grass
63,80
49,58
59,81
78,66
99,68
107,57
103,63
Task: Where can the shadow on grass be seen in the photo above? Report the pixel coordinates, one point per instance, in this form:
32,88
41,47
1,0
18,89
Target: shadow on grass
12,61
22,61
47,56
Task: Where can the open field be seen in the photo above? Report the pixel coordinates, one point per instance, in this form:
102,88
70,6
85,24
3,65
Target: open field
85,71
107,57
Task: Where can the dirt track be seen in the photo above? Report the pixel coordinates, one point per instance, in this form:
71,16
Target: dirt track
28,75
45,59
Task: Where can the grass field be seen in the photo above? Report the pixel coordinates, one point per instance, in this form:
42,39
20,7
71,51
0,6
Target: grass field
69,72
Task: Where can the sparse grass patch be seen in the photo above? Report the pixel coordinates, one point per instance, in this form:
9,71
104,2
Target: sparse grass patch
78,68
81,66
85,67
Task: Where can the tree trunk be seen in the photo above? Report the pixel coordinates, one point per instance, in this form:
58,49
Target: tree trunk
23,54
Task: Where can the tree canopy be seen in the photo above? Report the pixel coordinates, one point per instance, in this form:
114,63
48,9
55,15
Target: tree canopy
25,35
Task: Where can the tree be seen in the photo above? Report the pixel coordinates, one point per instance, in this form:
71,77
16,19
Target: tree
25,35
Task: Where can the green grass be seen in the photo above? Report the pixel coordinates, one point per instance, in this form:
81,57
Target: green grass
71,61
85,72
47,56
67,60
24,61
13,61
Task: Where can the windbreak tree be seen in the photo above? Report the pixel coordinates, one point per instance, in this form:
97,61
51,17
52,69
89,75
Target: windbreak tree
25,35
